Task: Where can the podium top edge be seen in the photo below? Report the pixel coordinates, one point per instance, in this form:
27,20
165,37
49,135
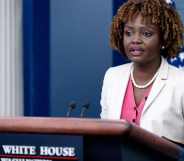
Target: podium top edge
63,125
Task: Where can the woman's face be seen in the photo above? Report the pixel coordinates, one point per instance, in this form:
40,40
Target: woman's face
141,41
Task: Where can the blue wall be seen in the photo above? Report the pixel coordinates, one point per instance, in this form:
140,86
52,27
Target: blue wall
117,57
79,53
66,53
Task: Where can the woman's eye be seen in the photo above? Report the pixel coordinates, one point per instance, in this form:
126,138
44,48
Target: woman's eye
147,34
128,33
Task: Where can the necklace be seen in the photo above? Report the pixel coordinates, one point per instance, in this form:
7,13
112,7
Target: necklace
145,85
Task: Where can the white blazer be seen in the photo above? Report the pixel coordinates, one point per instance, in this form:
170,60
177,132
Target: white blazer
163,112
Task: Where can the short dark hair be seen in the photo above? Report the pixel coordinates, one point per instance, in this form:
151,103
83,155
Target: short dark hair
157,12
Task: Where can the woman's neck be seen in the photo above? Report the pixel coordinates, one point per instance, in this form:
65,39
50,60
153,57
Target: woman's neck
144,72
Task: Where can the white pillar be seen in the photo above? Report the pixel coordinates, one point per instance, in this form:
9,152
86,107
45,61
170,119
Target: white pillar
11,75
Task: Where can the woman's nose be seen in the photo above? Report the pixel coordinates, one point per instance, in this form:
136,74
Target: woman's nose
136,38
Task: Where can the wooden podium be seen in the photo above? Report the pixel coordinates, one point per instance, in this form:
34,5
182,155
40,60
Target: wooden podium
102,140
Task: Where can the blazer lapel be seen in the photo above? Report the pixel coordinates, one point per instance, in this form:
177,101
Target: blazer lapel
158,85
120,89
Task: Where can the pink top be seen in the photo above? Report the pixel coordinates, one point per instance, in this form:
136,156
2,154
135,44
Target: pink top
130,111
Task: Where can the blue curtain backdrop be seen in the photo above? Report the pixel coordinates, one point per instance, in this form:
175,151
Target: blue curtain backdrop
36,57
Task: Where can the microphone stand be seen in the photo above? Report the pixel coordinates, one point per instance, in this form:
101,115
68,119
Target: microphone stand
71,106
84,108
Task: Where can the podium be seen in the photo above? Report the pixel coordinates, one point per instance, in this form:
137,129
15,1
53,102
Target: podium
101,140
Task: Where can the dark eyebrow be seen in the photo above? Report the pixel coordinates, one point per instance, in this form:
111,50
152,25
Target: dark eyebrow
152,27
129,26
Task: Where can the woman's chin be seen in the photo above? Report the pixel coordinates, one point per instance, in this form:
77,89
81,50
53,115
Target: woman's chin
136,58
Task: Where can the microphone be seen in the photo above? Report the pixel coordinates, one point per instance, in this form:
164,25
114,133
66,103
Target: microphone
85,107
71,106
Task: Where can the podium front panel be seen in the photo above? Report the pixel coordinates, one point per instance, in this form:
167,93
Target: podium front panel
40,147
118,148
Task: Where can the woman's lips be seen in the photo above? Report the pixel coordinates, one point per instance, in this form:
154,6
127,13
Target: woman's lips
136,51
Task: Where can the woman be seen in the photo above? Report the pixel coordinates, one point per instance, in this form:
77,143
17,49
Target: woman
148,91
